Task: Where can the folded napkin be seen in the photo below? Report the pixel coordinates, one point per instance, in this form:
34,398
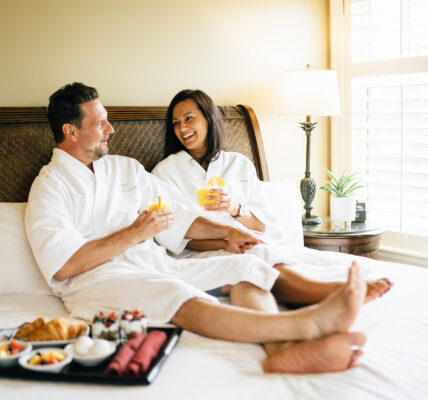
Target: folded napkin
122,359
148,350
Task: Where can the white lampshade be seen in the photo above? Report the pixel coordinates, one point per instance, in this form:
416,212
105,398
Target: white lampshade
309,92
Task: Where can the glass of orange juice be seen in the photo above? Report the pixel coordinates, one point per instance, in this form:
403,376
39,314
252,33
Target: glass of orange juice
159,204
204,190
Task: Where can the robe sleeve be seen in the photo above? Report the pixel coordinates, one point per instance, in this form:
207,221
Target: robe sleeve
50,229
184,215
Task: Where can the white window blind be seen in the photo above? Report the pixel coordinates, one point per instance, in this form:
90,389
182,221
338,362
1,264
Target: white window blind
384,29
389,125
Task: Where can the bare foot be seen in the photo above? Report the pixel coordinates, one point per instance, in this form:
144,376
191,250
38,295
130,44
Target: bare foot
333,353
377,288
338,311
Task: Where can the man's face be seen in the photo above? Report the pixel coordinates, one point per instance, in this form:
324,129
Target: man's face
94,131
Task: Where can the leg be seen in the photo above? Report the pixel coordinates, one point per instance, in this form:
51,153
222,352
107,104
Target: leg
335,314
329,354
291,287
249,296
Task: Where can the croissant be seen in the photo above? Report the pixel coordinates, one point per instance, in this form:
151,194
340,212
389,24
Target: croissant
29,328
58,329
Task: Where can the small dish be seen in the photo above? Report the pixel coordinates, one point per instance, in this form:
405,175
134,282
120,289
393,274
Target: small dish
90,360
12,359
52,368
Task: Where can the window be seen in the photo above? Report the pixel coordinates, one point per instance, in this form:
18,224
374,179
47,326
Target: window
387,29
389,103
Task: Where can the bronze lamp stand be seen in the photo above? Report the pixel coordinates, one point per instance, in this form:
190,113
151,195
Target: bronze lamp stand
307,184
309,92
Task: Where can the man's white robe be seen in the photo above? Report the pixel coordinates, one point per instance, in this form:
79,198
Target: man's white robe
242,185
70,205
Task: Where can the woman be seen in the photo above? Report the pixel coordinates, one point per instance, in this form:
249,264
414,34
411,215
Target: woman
194,151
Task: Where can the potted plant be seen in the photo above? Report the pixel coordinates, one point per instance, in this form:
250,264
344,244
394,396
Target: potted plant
342,201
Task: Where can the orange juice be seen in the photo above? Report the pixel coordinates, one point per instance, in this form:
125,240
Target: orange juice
202,194
156,206
159,205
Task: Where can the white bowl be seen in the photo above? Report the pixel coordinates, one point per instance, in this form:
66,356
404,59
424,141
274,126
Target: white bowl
89,360
13,359
23,360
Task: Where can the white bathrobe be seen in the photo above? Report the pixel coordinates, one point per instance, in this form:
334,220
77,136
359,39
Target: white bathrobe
70,205
243,186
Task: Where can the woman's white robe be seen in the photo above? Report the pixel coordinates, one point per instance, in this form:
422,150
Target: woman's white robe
70,205
243,186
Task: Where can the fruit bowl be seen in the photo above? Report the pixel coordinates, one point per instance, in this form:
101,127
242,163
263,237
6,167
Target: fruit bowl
11,350
50,354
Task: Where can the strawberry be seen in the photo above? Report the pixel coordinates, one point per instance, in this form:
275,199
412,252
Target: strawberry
14,345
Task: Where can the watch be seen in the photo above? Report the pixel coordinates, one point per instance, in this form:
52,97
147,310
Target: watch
238,215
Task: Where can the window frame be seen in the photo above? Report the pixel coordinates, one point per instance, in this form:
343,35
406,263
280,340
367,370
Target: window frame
395,246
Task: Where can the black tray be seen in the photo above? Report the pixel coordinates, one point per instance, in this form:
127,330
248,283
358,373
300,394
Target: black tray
74,372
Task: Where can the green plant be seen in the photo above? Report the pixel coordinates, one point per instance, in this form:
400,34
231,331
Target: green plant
344,186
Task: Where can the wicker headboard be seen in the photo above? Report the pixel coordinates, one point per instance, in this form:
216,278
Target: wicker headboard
26,141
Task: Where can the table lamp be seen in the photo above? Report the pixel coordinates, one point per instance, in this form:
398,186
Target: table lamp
309,92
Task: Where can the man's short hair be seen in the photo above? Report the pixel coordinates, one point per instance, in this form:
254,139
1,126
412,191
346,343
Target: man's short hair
64,107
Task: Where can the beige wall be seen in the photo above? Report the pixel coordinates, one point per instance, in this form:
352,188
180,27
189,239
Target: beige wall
140,52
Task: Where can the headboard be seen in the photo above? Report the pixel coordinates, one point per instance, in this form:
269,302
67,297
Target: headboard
26,141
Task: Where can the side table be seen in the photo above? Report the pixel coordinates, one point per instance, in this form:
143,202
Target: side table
361,238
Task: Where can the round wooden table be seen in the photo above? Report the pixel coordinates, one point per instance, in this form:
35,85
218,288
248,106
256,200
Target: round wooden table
361,238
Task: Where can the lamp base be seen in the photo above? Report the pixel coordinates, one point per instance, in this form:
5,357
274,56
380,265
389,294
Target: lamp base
312,220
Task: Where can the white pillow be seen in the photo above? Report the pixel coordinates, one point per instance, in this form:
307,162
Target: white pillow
19,272
284,202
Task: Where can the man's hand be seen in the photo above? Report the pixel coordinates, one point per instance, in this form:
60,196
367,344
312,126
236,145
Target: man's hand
150,223
239,241
98,251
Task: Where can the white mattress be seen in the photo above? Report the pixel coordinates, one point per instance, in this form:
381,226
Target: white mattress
394,365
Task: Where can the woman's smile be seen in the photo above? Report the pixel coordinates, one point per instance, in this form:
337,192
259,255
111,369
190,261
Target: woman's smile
190,127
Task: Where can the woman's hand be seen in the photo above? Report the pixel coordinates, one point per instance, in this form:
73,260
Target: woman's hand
223,202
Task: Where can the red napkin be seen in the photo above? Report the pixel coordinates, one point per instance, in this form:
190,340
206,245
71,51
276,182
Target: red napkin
122,359
148,350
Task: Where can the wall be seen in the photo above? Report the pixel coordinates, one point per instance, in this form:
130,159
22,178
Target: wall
142,52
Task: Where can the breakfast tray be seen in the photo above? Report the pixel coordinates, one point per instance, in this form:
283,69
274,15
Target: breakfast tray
74,372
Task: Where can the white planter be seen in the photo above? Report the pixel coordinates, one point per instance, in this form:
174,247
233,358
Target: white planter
342,209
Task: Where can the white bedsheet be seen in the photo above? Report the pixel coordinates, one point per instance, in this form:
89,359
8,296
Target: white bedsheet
394,365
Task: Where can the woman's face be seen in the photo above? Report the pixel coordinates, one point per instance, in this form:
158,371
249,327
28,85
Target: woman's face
190,127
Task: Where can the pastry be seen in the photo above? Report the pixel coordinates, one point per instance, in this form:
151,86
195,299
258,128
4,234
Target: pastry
58,329
29,328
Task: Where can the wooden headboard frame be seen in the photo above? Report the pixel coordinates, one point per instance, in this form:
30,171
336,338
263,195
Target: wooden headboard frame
26,141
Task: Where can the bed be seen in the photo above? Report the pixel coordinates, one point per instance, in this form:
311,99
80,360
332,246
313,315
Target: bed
395,362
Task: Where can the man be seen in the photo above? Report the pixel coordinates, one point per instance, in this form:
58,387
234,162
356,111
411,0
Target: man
95,248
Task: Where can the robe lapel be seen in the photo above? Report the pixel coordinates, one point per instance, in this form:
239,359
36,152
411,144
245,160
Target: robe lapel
212,170
100,198
197,173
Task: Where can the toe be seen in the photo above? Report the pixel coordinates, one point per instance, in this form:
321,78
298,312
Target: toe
358,338
356,354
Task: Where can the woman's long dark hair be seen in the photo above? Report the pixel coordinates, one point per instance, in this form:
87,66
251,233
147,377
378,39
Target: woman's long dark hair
215,134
